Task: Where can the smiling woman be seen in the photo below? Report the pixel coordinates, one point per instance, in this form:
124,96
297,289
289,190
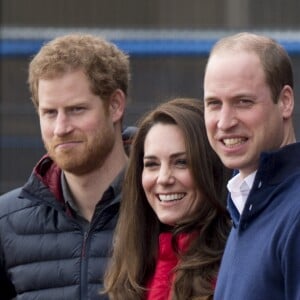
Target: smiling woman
173,225
167,179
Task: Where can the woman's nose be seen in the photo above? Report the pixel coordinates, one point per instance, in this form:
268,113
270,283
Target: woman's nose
165,176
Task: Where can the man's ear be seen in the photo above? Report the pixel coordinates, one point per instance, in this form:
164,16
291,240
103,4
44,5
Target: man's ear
117,103
287,101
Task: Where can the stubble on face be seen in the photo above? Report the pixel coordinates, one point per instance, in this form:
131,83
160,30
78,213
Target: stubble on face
90,155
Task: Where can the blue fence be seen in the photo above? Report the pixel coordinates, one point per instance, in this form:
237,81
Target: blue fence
27,41
154,47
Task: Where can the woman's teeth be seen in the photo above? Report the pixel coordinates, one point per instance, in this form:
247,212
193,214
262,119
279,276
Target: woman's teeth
170,197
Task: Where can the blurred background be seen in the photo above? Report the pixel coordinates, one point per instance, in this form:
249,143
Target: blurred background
168,42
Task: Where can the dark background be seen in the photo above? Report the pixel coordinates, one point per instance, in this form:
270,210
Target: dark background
155,78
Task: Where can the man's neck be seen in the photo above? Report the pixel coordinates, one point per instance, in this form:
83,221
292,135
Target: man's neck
88,189
289,134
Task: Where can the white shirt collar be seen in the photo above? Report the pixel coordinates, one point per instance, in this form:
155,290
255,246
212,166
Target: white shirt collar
239,189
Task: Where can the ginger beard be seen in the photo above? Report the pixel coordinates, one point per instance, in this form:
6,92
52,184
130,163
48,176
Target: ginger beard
86,156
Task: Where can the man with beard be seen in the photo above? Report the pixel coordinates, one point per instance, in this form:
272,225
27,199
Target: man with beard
56,231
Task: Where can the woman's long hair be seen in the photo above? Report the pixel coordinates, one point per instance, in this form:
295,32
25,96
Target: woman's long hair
136,237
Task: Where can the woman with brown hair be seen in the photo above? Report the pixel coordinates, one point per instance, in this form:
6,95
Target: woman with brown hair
173,224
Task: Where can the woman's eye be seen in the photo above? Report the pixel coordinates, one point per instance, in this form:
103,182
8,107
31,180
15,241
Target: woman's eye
181,162
149,164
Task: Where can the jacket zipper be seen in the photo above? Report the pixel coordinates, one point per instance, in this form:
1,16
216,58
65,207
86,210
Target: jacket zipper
83,251
83,276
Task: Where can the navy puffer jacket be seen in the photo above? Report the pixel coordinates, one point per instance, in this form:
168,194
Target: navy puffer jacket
44,252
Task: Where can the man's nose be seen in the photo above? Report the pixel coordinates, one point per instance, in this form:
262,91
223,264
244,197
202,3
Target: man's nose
227,118
63,124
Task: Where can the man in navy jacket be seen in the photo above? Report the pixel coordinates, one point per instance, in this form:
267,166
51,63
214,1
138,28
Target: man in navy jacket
56,231
249,101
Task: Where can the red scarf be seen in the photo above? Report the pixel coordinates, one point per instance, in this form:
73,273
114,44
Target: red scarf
160,285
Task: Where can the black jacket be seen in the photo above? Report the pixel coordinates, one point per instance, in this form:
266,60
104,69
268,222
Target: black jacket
45,253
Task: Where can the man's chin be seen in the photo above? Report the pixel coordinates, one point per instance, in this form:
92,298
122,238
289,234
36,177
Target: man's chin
76,168
66,162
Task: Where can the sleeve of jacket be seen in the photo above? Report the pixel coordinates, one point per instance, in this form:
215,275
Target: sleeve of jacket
291,260
7,290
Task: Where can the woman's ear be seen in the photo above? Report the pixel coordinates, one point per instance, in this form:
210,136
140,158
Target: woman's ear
117,103
286,100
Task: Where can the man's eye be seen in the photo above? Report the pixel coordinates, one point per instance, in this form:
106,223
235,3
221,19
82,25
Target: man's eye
77,109
213,103
245,102
49,113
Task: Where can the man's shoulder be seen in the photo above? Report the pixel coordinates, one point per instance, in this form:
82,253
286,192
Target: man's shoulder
11,202
8,196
